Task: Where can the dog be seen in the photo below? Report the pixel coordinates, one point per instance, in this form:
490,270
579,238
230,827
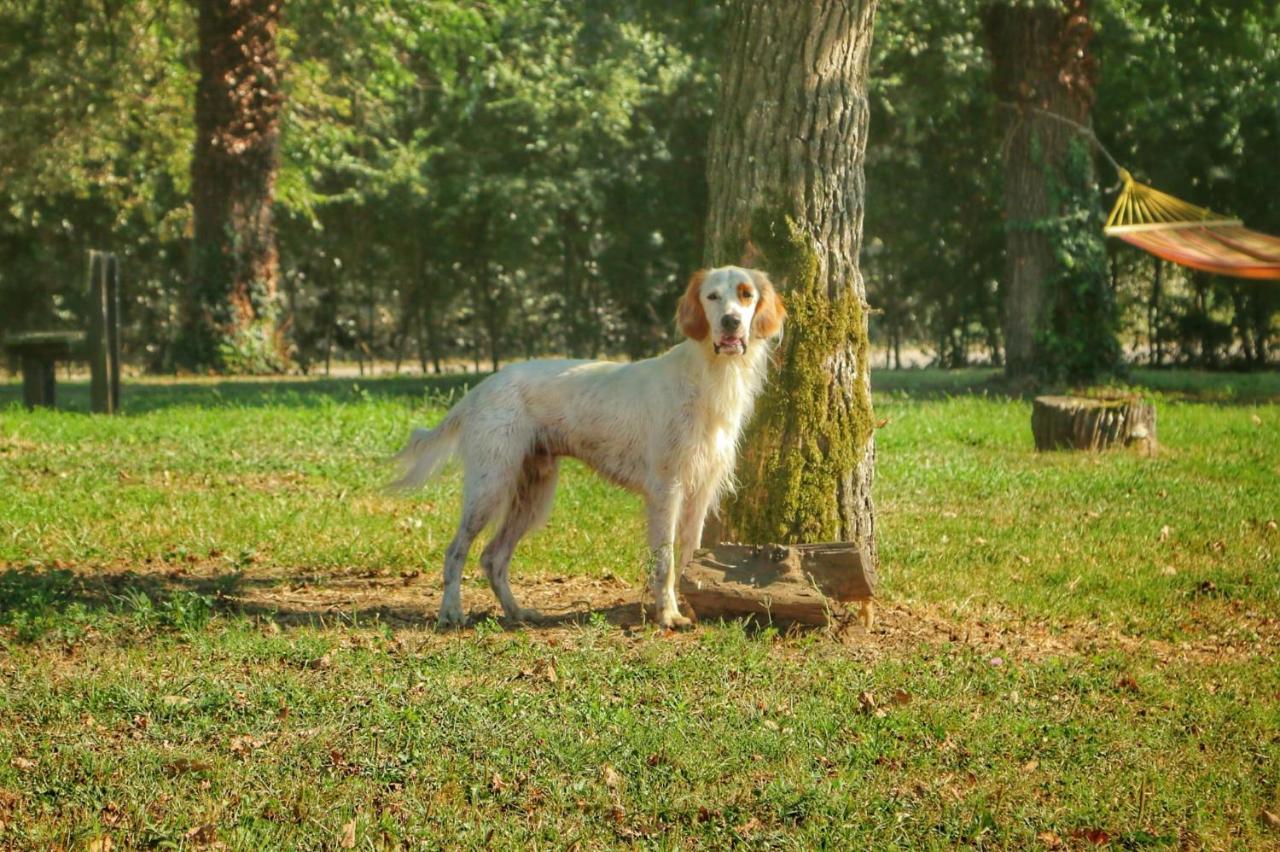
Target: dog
666,427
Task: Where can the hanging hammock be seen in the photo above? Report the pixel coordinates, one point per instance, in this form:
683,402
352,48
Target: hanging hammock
1192,236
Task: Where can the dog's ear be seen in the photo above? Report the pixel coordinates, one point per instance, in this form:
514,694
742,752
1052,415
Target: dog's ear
770,312
691,316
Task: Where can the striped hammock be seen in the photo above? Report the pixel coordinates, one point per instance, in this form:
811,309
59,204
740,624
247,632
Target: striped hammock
1192,236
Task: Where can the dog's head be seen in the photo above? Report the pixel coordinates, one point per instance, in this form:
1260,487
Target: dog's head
730,307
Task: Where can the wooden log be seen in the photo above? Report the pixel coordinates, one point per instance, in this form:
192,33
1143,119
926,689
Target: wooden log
1079,423
805,583
112,295
99,358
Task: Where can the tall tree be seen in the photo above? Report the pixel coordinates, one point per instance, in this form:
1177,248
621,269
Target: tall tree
1059,313
231,313
785,170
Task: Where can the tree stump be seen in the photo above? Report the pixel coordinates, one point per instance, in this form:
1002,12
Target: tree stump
806,583
1079,423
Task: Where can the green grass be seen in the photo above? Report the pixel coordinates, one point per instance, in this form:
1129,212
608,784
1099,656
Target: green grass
1073,645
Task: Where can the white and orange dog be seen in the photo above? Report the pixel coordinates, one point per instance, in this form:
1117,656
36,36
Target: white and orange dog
666,427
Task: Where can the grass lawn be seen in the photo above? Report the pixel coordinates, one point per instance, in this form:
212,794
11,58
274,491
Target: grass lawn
215,629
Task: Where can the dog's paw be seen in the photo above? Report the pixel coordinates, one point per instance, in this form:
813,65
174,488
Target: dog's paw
525,615
451,619
674,621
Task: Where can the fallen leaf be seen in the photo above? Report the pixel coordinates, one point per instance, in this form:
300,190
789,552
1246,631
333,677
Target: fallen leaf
866,701
1050,840
749,827
322,662
1031,765
901,696
496,784
1169,571
244,745
1164,533
175,701
183,765
348,840
1269,819
1128,683
612,779
21,763
1096,836
100,844
202,835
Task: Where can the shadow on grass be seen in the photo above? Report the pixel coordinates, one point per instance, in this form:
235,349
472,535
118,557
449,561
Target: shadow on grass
1217,388
59,604
140,397
152,394
41,603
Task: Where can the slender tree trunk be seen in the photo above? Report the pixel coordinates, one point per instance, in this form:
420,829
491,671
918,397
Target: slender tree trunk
1041,65
1153,315
230,311
785,173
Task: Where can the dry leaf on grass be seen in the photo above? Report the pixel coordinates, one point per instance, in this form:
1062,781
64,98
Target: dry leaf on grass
348,839
22,764
100,844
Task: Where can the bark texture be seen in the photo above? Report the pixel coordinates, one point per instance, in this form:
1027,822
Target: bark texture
785,171
1041,64
232,312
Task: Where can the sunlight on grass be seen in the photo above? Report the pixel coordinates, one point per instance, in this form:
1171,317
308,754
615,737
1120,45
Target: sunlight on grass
150,710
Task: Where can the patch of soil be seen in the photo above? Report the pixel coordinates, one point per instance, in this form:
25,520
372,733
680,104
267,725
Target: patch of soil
899,627
411,601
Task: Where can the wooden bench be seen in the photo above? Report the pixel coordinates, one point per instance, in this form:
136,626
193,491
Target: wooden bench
39,353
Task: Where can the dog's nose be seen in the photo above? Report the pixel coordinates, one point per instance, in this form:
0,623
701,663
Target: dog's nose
730,322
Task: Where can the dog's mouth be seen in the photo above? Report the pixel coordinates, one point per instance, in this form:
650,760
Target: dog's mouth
730,345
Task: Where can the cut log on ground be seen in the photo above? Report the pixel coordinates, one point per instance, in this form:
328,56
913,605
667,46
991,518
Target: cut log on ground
1079,423
806,583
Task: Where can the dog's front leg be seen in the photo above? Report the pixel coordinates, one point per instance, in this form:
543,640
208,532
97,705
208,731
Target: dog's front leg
664,508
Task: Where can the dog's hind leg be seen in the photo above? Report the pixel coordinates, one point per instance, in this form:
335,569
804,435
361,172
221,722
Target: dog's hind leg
482,493
529,508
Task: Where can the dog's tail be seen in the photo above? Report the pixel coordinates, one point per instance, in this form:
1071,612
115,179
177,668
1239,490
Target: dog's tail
427,451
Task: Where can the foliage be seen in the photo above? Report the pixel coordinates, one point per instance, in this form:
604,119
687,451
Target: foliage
1077,342
1181,101
471,181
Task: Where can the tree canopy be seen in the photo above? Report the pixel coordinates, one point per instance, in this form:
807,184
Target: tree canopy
486,181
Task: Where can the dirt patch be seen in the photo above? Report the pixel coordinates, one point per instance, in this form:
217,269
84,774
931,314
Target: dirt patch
412,601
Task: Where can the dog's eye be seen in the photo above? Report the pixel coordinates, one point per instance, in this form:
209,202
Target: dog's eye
712,297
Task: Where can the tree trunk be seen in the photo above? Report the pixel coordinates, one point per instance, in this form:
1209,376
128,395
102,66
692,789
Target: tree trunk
785,175
231,316
1040,65
1153,316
